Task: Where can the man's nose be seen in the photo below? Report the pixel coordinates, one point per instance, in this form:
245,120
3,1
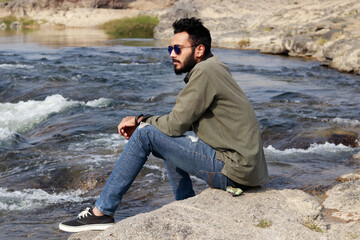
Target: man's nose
173,54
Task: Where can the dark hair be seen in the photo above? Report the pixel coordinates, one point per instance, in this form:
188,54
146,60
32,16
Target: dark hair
198,34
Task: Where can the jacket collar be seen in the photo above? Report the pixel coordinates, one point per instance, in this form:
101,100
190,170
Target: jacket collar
209,55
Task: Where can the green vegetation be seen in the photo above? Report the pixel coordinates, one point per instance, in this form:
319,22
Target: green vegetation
268,29
4,1
352,236
25,22
137,27
313,226
321,41
244,43
8,20
264,223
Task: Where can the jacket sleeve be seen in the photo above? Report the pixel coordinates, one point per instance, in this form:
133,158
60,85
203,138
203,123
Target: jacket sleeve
192,102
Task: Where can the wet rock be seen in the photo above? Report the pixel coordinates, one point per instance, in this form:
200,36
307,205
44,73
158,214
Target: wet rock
350,140
344,199
332,135
355,160
356,156
317,190
349,177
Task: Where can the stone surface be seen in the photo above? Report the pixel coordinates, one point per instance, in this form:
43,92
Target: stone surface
215,214
15,25
328,32
325,30
349,177
345,200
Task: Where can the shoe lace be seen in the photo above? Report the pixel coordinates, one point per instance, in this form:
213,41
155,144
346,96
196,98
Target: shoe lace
84,213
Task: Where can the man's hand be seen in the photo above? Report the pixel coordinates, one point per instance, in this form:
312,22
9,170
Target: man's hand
127,127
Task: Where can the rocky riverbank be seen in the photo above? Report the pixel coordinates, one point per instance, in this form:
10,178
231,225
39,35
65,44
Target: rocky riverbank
259,214
325,30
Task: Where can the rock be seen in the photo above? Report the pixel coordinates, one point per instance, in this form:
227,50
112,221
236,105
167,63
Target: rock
215,214
349,177
3,26
15,25
331,135
115,4
181,9
348,61
330,35
275,46
344,199
350,140
304,29
257,214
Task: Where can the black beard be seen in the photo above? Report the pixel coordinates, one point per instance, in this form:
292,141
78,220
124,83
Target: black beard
189,63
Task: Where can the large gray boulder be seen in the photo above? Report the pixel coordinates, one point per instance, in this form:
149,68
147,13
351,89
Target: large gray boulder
260,214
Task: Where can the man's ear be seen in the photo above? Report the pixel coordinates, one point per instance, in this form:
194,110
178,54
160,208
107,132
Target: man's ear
200,51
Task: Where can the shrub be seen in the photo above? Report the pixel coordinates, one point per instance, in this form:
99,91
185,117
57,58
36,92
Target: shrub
137,27
25,22
28,22
244,43
321,41
264,223
313,226
8,20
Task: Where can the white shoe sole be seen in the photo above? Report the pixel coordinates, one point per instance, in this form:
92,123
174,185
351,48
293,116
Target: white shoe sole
96,227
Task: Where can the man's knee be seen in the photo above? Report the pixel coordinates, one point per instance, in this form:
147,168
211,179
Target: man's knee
144,131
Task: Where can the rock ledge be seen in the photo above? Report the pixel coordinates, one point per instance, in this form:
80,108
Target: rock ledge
215,214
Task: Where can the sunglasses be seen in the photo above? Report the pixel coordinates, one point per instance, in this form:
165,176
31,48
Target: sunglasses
177,49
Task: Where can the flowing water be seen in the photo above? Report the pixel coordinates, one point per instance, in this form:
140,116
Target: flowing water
62,94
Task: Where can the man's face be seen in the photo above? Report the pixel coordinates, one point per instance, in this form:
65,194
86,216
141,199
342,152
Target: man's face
185,60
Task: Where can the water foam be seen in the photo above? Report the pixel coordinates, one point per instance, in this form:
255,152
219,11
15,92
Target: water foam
113,142
101,102
346,122
15,66
22,116
321,149
36,198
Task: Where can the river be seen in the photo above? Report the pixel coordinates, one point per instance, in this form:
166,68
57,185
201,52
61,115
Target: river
63,93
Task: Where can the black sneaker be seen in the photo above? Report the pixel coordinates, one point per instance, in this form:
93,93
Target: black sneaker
86,221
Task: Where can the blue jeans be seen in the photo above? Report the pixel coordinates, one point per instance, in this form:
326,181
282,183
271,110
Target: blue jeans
183,155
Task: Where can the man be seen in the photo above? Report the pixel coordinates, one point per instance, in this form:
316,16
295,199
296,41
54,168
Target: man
226,152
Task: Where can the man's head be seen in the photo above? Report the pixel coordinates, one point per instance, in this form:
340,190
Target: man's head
191,43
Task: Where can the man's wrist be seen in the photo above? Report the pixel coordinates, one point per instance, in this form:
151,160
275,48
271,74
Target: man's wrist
138,119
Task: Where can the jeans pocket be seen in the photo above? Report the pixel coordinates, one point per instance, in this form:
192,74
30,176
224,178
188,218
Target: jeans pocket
214,179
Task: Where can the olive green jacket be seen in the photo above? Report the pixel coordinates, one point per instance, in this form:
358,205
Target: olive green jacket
217,110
